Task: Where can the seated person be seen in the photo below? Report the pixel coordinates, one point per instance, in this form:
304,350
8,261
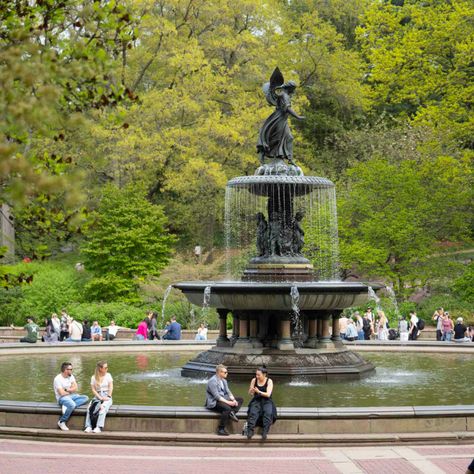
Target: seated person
351,331
262,410
32,330
65,390
142,331
50,334
219,398
111,331
96,331
460,331
201,333
173,332
86,331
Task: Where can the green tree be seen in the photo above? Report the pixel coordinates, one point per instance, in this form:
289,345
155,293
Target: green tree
127,243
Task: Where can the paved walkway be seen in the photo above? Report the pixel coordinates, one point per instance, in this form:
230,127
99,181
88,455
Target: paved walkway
34,457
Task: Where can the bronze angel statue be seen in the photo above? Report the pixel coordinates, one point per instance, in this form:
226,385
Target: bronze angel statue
275,139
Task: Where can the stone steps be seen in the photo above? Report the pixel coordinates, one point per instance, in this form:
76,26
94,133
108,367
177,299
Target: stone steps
203,439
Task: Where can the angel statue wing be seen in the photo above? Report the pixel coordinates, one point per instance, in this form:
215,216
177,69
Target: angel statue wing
269,87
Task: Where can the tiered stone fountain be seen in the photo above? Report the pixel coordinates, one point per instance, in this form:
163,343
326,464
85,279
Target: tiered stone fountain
282,309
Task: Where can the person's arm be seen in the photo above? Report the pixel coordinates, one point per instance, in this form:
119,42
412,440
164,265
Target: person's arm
110,388
269,391
73,387
294,114
252,387
212,389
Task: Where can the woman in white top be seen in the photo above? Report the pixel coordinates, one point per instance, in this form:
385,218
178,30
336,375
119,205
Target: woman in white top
201,333
382,326
102,386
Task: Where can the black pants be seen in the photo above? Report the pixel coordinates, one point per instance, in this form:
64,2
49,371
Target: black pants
263,409
225,410
63,335
439,334
24,339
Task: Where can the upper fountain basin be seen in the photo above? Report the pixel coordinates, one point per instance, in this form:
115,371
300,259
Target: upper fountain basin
238,295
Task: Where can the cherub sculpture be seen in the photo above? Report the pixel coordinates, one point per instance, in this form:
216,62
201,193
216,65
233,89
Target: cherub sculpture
275,139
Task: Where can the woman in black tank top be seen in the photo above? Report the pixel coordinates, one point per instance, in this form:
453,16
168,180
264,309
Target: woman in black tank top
262,410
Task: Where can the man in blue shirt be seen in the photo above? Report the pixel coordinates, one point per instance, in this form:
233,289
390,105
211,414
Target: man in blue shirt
173,333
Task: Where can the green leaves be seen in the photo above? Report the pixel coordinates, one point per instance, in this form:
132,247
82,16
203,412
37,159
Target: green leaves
128,243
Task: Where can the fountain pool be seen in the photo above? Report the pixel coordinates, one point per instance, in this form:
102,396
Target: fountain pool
154,379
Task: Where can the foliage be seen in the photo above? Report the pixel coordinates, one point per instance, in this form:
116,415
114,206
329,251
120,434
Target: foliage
50,286
456,307
127,243
463,286
56,60
391,214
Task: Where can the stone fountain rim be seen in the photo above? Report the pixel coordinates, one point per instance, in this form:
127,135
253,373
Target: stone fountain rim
277,287
280,179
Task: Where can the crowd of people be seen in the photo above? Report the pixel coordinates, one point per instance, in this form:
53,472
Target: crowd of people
219,398
67,329
376,326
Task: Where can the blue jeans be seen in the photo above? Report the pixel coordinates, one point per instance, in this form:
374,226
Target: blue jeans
71,402
360,335
446,336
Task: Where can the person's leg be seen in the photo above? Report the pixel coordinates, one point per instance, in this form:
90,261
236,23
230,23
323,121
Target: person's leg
88,423
67,402
439,335
111,337
240,401
79,400
104,409
267,416
224,410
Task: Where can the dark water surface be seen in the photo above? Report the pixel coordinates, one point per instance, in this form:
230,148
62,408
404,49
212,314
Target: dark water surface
154,379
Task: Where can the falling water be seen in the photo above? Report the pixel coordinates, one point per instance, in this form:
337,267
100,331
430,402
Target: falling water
206,302
295,317
315,197
393,299
163,304
373,296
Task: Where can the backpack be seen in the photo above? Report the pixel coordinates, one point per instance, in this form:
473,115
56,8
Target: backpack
421,324
392,334
94,409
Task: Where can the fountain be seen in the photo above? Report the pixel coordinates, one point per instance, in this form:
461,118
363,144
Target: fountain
271,217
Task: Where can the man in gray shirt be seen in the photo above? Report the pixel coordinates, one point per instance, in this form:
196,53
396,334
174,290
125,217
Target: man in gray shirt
219,398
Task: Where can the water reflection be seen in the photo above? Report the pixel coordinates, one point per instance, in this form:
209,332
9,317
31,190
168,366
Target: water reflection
154,379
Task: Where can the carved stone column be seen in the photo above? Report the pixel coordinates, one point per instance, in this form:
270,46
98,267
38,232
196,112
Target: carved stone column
235,327
285,343
312,330
223,340
336,334
243,340
253,331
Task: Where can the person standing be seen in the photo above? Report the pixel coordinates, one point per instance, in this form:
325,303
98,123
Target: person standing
153,332
65,390
447,327
403,329
64,325
173,333
351,332
102,386
438,317
32,330
219,398
413,331
56,324
261,410
382,326
359,322
197,253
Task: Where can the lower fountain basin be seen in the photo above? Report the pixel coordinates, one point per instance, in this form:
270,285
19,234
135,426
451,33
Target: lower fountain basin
239,295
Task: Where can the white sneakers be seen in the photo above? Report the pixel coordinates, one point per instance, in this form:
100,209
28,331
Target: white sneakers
96,430
88,430
62,426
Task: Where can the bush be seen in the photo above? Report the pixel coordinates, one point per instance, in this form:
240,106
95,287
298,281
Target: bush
123,314
456,307
54,285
